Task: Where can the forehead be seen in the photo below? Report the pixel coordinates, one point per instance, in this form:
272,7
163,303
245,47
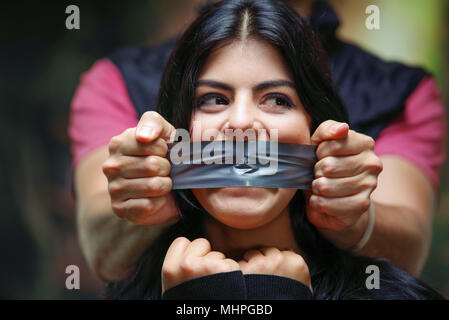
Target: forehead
250,60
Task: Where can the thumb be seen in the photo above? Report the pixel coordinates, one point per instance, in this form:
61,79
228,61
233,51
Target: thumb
329,130
152,126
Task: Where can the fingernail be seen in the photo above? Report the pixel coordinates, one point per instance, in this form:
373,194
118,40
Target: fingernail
337,127
146,132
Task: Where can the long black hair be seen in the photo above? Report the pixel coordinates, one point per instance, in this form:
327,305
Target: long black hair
335,274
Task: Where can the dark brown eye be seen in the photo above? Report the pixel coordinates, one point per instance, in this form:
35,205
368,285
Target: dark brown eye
277,101
211,102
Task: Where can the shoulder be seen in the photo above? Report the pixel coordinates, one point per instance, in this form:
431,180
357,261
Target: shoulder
418,134
373,90
143,57
100,109
142,69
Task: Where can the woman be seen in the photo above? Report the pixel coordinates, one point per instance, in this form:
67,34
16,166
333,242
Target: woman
253,65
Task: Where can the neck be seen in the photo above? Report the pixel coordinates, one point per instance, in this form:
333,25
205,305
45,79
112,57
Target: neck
302,7
278,233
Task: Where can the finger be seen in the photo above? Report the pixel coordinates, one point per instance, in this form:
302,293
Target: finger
137,210
215,255
126,143
342,187
291,254
355,143
152,126
220,265
342,206
273,257
132,147
252,254
270,252
339,167
232,264
131,167
328,130
168,213
244,266
198,248
175,253
123,189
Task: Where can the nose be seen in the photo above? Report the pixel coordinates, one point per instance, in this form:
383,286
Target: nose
242,113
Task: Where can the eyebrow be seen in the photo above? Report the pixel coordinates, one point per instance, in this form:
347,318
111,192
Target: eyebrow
261,86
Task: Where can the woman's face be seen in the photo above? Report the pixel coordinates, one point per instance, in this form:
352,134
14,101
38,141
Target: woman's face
247,86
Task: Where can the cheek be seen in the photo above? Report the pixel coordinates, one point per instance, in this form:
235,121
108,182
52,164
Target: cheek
293,128
203,125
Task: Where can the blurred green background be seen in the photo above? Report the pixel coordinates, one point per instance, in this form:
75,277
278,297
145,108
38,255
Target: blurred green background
40,65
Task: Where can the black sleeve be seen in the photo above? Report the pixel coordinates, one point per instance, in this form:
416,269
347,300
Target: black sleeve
236,286
218,286
270,287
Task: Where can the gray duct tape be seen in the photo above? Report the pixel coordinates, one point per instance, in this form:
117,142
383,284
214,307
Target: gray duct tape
251,163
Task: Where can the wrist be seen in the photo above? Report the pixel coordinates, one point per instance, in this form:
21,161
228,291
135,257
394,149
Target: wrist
348,238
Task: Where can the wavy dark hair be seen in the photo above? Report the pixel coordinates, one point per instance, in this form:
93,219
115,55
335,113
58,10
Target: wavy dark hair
335,274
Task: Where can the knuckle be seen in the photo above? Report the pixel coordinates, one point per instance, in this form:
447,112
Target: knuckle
335,146
328,166
161,146
202,241
180,240
259,264
151,165
322,185
369,143
278,259
321,205
114,144
119,209
114,189
374,164
187,265
165,168
298,260
154,184
151,114
110,167
150,207
163,185
370,183
169,271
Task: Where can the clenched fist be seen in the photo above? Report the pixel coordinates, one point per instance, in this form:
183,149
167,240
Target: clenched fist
273,261
138,172
345,176
186,260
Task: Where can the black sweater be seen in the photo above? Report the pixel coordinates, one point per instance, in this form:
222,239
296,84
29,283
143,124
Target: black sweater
237,286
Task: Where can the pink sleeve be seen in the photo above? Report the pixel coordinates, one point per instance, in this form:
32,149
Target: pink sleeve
100,109
418,134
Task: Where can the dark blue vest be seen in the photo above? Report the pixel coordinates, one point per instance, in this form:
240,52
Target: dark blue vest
373,91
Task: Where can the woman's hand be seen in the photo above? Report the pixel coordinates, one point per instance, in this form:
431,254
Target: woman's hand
186,260
273,261
345,176
137,172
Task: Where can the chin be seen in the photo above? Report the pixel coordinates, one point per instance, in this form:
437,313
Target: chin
239,207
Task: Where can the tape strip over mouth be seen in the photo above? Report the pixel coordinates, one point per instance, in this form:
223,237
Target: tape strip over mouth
250,163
